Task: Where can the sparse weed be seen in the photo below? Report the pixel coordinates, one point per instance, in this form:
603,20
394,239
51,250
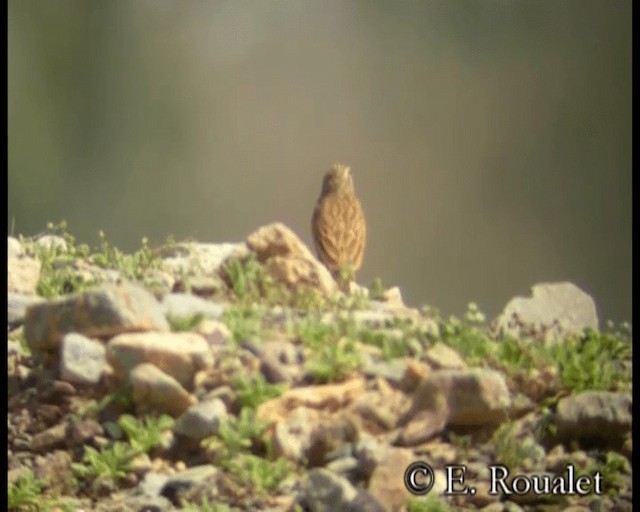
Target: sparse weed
235,435
24,493
243,322
377,290
333,361
264,474
428,504
112,463
391,346
254,390
185,323
511,449
205,506
470,341
593,361
131,266
147,433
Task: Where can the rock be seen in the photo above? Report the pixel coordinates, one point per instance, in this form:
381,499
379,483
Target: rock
17,305
323,491
424,425
393,370
51,242
292,435
387,481
100,313
155,391
195,259
280,360
82,360
50,439
183,305
365,502
471,397
14,248
55,469
594,417
194,476
288,259
440,356
344,466
201,420
88,273
83,431
415,373
23,275
554,310
330,396
178,354
216,333
329,437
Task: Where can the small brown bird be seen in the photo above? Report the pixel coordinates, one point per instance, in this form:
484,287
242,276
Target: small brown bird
338,225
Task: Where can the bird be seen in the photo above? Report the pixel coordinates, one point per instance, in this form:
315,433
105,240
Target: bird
338,225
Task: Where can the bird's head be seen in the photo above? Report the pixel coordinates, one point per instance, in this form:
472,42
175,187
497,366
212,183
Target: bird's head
338,179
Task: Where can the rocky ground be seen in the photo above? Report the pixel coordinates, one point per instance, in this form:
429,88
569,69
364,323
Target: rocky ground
223,377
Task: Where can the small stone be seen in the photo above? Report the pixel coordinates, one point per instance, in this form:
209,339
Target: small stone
324,491
183,305
554,310
178,354
50,242
100,313
472,397
415,373
594,417
440,356
288,259
328,396
83,431
17,305
154,390
23,275
387,481
82,360
196,259
14,248
292,436
49,439
201,420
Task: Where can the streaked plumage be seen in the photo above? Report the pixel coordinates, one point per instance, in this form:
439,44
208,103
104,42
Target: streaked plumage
338,224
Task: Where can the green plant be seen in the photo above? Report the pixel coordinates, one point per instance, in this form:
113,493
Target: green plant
470,341
23,494
333,361
391,346
511,449
248,279
377,290
185,323
131,266
57,275
429,503
206,506
243,322
594,361
314,333
254,390
235,435
264,474
112,463
147,433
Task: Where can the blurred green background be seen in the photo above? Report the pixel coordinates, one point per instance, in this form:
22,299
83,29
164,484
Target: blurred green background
490,141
